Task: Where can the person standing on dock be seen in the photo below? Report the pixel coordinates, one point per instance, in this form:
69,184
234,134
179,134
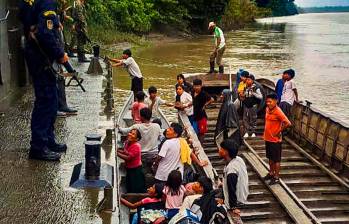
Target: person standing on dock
80,26
132,68
219,48
42,48
275,122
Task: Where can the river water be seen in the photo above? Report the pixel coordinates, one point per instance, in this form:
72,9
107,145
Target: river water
315,45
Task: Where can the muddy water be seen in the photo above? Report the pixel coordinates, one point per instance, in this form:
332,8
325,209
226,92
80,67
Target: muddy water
315,45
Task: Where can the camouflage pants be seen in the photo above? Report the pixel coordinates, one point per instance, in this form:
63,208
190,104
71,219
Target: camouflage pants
81,42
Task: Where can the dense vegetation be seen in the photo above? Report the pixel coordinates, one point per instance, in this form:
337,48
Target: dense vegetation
143,16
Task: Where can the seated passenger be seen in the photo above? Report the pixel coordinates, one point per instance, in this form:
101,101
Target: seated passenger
235,182
150,133
194,191
137,106
206,207
131,153
184,103
154,197
153,102
174,193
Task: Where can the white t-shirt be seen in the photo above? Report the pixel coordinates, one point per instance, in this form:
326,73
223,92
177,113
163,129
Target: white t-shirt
155,110
150,132
238,167
288,94
132,67
186,99
171,159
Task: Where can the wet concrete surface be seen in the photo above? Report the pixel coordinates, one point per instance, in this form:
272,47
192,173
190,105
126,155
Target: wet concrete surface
36,191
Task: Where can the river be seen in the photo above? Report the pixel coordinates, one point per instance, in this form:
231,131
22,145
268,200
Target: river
315,45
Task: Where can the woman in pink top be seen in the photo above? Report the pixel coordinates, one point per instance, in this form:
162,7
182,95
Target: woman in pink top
135,182
137,106
174,193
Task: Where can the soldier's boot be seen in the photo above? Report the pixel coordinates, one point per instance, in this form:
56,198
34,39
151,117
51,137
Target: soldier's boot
211,67
71,54
82,58
44,154
221,71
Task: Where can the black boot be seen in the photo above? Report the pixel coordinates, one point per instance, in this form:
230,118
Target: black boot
43,154
211,67
58,147
71,54
221,69
82,58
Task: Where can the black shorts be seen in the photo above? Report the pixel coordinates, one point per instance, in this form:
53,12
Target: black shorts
273,150
136,85
286,108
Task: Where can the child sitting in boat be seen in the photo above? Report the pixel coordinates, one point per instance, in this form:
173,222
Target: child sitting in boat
135,182
137,106
174,193
154,198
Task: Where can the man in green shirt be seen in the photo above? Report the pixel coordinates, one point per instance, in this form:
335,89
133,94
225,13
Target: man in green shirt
219,49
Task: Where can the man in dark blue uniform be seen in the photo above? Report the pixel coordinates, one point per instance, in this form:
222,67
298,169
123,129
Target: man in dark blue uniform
41,29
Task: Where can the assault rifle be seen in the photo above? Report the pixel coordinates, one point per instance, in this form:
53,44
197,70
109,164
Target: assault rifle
73,76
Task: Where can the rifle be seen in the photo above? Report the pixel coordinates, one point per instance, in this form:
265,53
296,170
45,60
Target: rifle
74,76
71,71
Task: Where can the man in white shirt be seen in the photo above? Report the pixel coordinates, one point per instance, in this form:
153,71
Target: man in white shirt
150,132
219,48
132,68
289,92
169,157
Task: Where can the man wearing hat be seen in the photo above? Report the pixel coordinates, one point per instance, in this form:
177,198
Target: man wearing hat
219,47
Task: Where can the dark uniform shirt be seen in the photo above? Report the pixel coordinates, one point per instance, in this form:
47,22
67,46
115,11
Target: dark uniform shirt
40,17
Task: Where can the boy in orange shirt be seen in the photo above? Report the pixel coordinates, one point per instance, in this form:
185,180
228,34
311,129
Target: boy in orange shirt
275,122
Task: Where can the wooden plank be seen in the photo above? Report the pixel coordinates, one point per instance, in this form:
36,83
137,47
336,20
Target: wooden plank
321,166
293,209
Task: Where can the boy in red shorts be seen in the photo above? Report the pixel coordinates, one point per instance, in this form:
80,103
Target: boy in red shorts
275,122
200,100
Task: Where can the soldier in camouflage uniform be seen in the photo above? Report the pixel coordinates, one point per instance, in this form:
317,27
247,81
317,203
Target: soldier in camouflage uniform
79,16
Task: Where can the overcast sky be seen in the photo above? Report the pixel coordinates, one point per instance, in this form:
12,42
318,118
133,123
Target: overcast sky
310,3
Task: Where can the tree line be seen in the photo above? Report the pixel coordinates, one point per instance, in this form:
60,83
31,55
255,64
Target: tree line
143,16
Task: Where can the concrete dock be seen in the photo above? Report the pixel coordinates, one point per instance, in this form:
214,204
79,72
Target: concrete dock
38,192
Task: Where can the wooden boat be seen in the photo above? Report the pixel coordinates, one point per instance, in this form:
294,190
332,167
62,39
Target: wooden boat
314,166
125,120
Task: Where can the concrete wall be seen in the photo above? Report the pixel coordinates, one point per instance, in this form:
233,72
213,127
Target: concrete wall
13,72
